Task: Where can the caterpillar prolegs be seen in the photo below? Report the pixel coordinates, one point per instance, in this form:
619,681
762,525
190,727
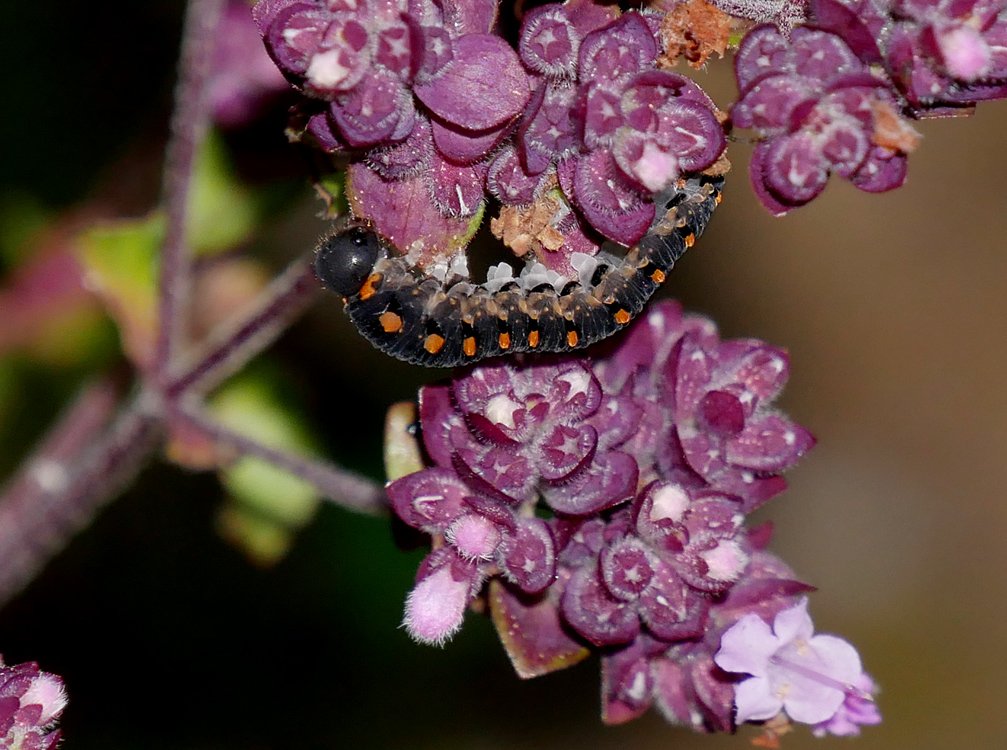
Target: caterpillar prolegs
445,322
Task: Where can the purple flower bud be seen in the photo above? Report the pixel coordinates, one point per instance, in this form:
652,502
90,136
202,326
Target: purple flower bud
435,607
622,48
342,58
549,42
438,51
406,159
548,132
508,181
608,200
396,49
481,535
378,110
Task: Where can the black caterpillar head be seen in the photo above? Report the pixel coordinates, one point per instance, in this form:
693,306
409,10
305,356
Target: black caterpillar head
344,260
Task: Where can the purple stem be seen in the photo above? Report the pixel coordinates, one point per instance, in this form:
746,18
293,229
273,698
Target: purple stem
231,346
341,486
70,476
189,124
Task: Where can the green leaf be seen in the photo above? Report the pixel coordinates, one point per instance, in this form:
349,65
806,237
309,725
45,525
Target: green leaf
21,217
120,262
222,210
268,504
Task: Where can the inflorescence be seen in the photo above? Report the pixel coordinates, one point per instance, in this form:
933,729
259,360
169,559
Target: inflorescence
583,118
606,501
601,505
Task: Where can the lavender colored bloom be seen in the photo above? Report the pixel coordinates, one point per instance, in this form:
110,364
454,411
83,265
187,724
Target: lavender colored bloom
819,111
808,676
31,702
858,709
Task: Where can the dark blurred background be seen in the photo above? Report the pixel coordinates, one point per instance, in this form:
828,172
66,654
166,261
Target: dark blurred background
893,308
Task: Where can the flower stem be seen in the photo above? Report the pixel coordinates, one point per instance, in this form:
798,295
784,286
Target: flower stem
189,124
69,477
341,486
232,346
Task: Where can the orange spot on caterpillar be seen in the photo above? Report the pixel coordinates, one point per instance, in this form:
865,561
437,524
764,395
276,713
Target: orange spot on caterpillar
504,341
690,239
390,322
658,276
533,339
469,346
433,343
622,317
369,289
571,338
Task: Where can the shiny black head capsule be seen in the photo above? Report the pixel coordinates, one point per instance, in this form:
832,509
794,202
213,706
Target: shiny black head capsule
343,261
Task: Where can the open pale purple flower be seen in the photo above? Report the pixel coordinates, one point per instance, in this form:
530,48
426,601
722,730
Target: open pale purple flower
808,676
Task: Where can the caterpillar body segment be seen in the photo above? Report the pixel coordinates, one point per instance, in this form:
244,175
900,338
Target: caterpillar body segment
434,322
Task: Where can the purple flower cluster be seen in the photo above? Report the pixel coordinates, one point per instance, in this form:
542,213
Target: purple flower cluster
939,53
831,99
436,110
30,704
605,504
819,111
603,120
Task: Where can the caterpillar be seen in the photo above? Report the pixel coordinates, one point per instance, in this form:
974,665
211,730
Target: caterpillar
444,320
